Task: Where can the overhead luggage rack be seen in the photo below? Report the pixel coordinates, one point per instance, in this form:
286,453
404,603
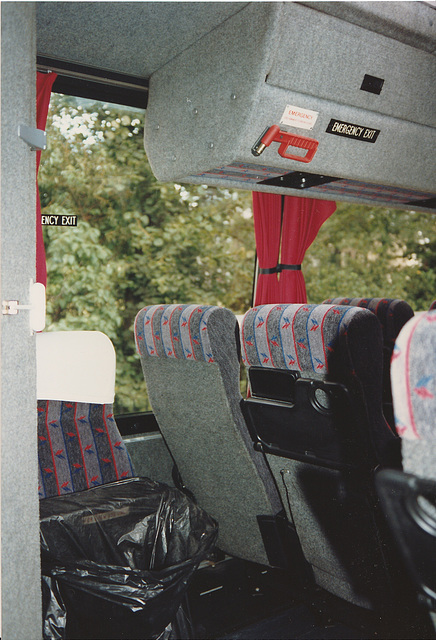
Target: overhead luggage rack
291,73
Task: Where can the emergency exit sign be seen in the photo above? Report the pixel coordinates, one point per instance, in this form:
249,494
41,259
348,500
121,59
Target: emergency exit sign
59,221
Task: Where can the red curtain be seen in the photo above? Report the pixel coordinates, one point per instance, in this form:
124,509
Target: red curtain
285,227
44,83
267,230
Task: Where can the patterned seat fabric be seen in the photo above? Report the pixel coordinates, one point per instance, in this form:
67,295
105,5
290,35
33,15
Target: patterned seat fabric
414,393
409,498
190,356
392,315
295,336
79,446
175,331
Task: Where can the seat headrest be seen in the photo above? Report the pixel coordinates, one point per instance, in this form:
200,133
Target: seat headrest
413,374
392,313
301,337
183,331
78,366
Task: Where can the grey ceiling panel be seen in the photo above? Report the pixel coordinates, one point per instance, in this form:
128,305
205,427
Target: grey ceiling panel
135,38
411,23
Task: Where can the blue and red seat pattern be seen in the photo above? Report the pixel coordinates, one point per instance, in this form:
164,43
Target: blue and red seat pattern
414,379
174,331
79,446
299,337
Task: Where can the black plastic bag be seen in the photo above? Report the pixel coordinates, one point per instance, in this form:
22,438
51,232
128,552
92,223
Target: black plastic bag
117,559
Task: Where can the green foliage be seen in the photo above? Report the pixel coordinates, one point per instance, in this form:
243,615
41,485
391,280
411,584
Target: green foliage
137,242
364,251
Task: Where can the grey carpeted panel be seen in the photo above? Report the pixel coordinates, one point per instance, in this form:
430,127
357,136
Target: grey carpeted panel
409,22
196,123
419,457
150,457
347,52
238,81
207,447
128,37
334,522
20,548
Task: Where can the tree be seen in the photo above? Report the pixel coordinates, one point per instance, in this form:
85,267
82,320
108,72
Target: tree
362,251
137,242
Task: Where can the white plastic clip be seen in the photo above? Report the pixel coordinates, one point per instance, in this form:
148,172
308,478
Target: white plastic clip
35,138
36,307
12,307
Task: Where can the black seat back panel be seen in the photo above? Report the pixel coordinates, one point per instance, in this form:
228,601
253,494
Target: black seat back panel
318,423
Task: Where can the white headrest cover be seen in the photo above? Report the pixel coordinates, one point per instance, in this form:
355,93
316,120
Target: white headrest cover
75,365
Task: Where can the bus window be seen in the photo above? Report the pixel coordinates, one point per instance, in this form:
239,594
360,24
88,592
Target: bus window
136,241
319,100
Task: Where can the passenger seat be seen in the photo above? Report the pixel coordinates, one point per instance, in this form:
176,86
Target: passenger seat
409,497
315,375
392,315
190,360
79,445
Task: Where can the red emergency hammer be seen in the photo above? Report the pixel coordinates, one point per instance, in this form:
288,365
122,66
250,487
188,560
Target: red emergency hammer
286,140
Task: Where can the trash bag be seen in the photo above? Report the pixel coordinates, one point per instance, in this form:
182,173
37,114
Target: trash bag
117,560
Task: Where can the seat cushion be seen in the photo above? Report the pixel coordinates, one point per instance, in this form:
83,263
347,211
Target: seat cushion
79,446
414,378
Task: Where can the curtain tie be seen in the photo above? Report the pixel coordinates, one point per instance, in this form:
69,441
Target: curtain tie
279,268
265,272
289,267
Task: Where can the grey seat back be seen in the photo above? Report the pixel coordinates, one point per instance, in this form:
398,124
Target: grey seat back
190,360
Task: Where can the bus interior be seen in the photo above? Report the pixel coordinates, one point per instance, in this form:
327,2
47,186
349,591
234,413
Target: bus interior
323,508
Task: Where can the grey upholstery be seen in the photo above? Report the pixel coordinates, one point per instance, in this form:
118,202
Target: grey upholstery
275,56
190,360
321,457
